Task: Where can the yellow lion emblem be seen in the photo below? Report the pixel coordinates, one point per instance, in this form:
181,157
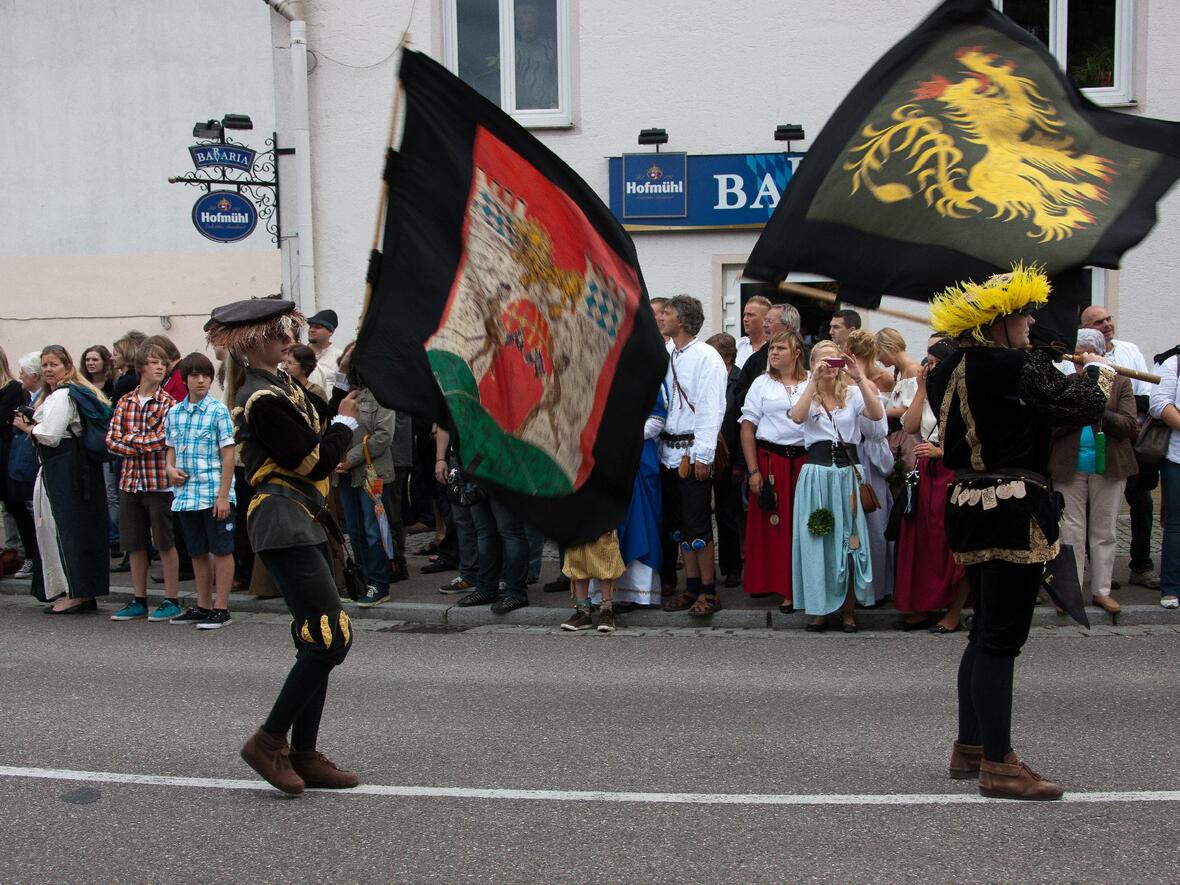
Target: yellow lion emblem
1030,169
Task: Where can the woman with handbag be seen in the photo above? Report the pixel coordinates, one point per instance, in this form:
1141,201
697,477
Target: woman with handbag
831,567
1090,466
1165,407
772,445
928,578
876,464
891,351
289,456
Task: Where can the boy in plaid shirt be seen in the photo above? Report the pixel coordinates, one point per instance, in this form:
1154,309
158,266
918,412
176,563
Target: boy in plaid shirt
200,438
145,495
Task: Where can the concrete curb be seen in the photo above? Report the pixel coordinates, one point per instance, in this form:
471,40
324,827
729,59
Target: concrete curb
550,616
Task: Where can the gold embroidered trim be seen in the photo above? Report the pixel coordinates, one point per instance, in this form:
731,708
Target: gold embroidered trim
1106,376
326,630
305,634
960,377
1039,551
346,627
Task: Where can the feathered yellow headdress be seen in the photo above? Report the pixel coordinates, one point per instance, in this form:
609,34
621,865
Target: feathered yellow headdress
969,307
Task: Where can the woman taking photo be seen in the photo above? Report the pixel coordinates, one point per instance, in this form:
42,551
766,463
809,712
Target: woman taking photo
772,445
69,499
98,367
928,578
832,569
891,351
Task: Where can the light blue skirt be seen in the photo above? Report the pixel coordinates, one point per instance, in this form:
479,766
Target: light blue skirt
820,566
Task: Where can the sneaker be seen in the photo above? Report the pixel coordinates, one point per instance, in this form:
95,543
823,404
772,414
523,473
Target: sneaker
190,616
477,597
1148,579
25,572
165,611
215,620
373,597
133,610
1170,602
582,620
509,603
606,621
456,586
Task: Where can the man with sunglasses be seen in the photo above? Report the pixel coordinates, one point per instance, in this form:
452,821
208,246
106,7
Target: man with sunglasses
1138,489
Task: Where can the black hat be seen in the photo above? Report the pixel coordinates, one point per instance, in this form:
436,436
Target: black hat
248,312
325,318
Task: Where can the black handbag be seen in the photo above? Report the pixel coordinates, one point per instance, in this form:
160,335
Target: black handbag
1151,446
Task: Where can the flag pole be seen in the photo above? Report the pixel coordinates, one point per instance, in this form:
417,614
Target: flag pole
828,298
383,200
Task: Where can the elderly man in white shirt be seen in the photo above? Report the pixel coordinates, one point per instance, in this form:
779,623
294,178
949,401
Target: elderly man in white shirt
696,393
1138,490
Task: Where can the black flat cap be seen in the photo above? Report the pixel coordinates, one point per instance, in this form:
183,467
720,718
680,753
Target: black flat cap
248,312
325,318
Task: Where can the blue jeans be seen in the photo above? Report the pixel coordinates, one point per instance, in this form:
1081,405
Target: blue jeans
468,542
536,540
1170,549
503,549
365,534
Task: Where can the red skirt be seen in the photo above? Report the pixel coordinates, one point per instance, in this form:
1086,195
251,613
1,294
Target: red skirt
926,569
768,545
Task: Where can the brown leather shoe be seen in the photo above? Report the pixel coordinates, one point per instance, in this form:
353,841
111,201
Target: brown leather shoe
269,755
965,759
1012,779
1107,604
317,770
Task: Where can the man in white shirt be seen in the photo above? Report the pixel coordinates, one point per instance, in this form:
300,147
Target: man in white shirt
696,384
753,315
1138,490
320,328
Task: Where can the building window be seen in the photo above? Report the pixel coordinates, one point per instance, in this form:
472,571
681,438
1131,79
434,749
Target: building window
1090,38
515,52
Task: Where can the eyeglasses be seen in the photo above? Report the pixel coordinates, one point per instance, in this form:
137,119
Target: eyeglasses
1099,321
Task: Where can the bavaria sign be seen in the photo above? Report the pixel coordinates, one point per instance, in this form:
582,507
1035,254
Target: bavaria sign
224,216
230,156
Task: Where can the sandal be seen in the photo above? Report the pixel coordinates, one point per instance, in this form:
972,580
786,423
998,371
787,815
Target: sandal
705,605
678,603
941,629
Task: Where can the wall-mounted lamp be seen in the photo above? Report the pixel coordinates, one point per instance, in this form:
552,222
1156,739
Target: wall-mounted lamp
653,136
789,132
215,129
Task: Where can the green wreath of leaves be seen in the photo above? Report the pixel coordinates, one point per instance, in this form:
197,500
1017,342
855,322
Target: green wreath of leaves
821,523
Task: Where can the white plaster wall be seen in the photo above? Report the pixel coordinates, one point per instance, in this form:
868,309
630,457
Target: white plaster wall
98,100
718,77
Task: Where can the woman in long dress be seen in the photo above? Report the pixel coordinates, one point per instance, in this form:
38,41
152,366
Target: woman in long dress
69,495
832,569
772,445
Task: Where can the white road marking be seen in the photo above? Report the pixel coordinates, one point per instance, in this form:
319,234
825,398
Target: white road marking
158,780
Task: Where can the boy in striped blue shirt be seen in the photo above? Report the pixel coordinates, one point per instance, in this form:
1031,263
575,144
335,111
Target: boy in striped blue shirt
199,433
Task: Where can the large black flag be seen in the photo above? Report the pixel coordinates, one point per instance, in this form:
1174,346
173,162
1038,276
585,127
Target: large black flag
964,149
509,303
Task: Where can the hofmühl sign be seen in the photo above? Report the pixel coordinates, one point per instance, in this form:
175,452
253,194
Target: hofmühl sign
224,216
720,191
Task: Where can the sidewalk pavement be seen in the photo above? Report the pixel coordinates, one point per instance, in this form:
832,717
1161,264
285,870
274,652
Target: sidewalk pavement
417,600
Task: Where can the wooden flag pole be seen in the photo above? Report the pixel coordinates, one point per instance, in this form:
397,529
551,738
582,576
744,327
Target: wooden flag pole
383,200
829,298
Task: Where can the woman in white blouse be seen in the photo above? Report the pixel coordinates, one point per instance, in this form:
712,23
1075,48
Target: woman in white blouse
772,445
69,498
832,569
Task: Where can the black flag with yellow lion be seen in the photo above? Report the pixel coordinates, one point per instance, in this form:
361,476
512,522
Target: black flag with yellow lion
963,149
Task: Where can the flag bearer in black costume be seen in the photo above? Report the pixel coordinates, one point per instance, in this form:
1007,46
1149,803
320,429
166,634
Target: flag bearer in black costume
288,457
997,400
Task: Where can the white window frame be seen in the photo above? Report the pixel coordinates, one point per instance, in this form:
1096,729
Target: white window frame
562,116
1121,93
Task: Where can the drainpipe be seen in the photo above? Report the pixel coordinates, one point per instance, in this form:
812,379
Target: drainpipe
292,11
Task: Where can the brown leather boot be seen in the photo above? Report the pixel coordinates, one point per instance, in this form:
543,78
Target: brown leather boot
1012,779
317,770
965,759
269,755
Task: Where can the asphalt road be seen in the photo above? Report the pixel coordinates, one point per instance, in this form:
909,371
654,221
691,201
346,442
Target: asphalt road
816,718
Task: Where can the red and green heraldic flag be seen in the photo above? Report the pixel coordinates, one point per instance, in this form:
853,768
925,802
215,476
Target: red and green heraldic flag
964,149
509,304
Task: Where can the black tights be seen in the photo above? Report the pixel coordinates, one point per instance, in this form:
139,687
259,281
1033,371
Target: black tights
1005,594
304,577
